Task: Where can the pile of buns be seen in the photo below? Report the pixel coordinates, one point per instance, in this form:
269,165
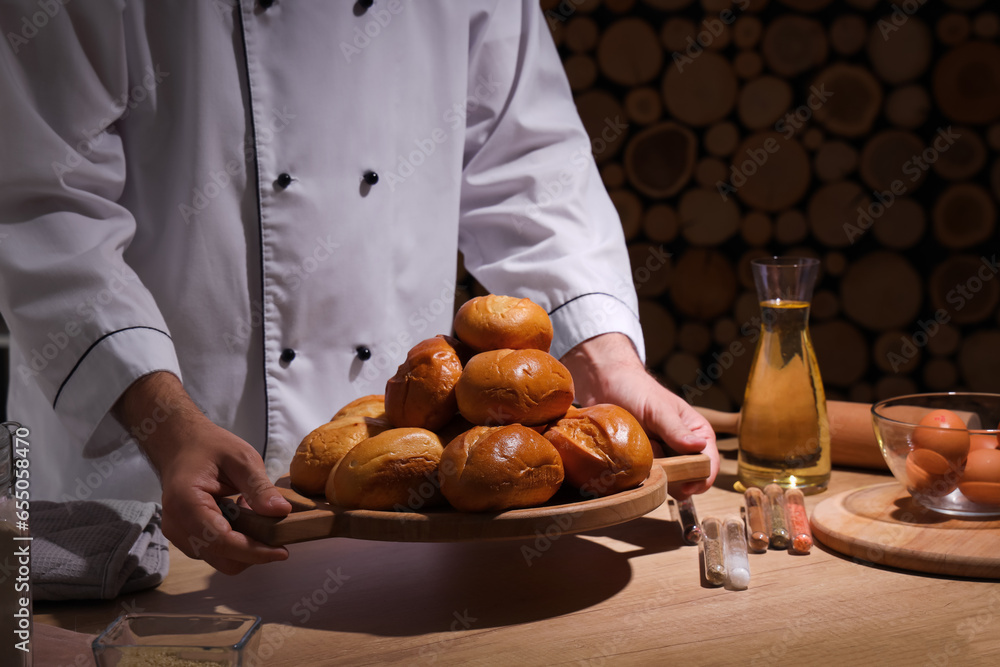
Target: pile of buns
483,422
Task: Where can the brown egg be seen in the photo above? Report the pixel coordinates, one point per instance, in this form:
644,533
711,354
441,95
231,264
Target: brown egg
981,479
944,432
983,441
930,474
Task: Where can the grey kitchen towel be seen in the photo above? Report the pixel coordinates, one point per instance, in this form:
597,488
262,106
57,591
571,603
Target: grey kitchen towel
96,549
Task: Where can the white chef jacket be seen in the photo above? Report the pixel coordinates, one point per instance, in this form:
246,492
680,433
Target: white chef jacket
184,189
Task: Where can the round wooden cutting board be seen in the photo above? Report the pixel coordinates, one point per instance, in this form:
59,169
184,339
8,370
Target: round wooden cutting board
882,525
565,513
446,525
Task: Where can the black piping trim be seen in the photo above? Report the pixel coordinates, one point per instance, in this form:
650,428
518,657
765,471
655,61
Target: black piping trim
260,226
92,346
566,303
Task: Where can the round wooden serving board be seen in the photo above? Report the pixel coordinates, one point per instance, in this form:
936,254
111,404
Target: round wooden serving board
882,525
314,519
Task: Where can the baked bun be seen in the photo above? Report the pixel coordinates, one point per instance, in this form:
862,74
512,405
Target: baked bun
603,448
322,449
372,405
490,469
394,470
422,392
453,429
494,322
514,386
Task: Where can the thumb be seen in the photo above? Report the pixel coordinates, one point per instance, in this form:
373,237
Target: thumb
250,479
675,434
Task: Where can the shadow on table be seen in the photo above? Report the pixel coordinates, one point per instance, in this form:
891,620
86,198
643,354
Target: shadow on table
395,589
649,535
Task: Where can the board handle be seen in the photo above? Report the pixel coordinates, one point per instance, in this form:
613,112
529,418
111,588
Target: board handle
688,468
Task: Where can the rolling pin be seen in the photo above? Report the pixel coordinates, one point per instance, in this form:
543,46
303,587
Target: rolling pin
852,438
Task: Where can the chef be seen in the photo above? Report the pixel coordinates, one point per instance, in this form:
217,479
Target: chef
221,221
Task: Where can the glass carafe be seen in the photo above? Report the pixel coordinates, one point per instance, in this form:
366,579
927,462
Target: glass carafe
784,435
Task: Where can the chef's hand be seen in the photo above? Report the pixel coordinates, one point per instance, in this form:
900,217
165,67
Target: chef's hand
197,462
606,369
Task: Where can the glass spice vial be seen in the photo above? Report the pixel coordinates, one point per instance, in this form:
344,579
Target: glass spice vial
690,530
798,522
735,552
712,552
758,520
779,527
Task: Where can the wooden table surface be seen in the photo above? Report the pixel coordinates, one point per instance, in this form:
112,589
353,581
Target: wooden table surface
629,594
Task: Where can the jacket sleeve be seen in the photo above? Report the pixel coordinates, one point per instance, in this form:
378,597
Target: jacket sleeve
536,220
83,327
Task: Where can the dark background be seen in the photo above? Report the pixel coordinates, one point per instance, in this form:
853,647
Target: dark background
931,73
872,293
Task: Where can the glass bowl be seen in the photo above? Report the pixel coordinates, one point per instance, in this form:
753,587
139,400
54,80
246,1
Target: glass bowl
223,640
938,465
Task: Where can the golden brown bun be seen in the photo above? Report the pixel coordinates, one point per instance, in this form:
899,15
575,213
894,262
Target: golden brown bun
422,392
454,428
490,469
372,405
495,322
604,449
514,386
322,449
394,470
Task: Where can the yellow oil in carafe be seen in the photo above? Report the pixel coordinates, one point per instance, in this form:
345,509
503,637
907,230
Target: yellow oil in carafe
784,434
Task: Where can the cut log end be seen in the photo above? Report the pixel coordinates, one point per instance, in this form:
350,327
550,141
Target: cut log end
794,44
967,83
660,159
964,216
854,103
